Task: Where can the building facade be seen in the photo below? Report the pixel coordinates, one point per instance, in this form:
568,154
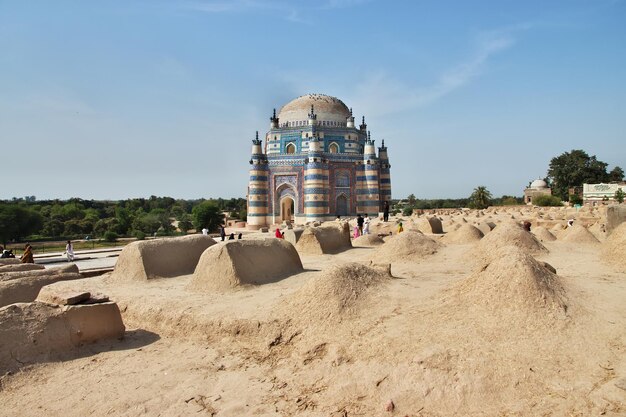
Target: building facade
599,193
535,189
316,164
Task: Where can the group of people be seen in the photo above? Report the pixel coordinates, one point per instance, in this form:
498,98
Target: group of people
26,258
230,237
362,226
6,253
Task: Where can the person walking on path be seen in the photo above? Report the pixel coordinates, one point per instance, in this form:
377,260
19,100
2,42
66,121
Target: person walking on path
222,232
359,223
386,211
27,257
69,251
366,225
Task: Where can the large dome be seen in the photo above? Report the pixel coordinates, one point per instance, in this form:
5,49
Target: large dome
326,108
539,183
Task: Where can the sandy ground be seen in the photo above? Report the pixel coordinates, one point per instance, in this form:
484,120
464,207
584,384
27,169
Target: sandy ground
414,341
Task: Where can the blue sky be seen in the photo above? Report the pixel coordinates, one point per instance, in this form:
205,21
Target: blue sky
120,99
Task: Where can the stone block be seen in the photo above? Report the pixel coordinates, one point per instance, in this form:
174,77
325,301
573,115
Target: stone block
52,295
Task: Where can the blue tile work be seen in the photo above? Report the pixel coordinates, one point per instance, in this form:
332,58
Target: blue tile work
316,193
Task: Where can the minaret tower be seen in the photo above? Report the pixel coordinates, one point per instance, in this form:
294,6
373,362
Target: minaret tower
274,121
368,198
385,176
312,117
363,126
315,182
258,186
350,120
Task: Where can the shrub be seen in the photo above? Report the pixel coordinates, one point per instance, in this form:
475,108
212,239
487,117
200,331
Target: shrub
110,236
139,235
575,199
407,211
547,201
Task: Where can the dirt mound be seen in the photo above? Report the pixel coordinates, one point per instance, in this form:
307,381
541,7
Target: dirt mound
235,263
406,247
506,234
37,332
70,269
614,248
336,294
23,286
598,230
514,288
429,225
485,227
367,240
20,267
328,238
578,234
379,227
465,234
160,258
543,234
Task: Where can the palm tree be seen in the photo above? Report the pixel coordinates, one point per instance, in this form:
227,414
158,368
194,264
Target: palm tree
481,197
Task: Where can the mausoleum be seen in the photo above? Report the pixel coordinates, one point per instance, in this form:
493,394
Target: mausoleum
315,164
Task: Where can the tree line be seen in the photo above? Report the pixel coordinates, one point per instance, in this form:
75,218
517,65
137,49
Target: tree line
27,218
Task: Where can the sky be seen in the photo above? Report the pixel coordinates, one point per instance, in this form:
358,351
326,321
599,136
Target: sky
127,99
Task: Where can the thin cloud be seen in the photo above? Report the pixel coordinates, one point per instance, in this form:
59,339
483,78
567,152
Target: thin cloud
380,94
290,10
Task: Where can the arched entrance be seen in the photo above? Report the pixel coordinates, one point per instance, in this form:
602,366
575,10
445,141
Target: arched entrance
342,205
286,209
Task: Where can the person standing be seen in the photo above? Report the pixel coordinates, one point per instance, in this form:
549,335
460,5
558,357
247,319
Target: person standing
27,257
205,231
359,223
386,211
366,225
222,232
69,251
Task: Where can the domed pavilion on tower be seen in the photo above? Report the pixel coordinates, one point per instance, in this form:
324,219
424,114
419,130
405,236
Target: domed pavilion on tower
316,165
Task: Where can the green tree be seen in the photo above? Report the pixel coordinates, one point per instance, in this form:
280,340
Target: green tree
547,201
619,195
412,200
575,199
52,228
17,222
184,224
480,198
616,174
574,168
207,214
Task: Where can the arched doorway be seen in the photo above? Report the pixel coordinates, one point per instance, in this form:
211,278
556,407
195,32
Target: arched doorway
287,206
342,205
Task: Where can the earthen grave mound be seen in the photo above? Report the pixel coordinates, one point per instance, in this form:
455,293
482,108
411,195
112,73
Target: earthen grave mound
367,241
408,246
513,288
614,248
236,263
465,234
578,234
328,238
336,294
160,258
